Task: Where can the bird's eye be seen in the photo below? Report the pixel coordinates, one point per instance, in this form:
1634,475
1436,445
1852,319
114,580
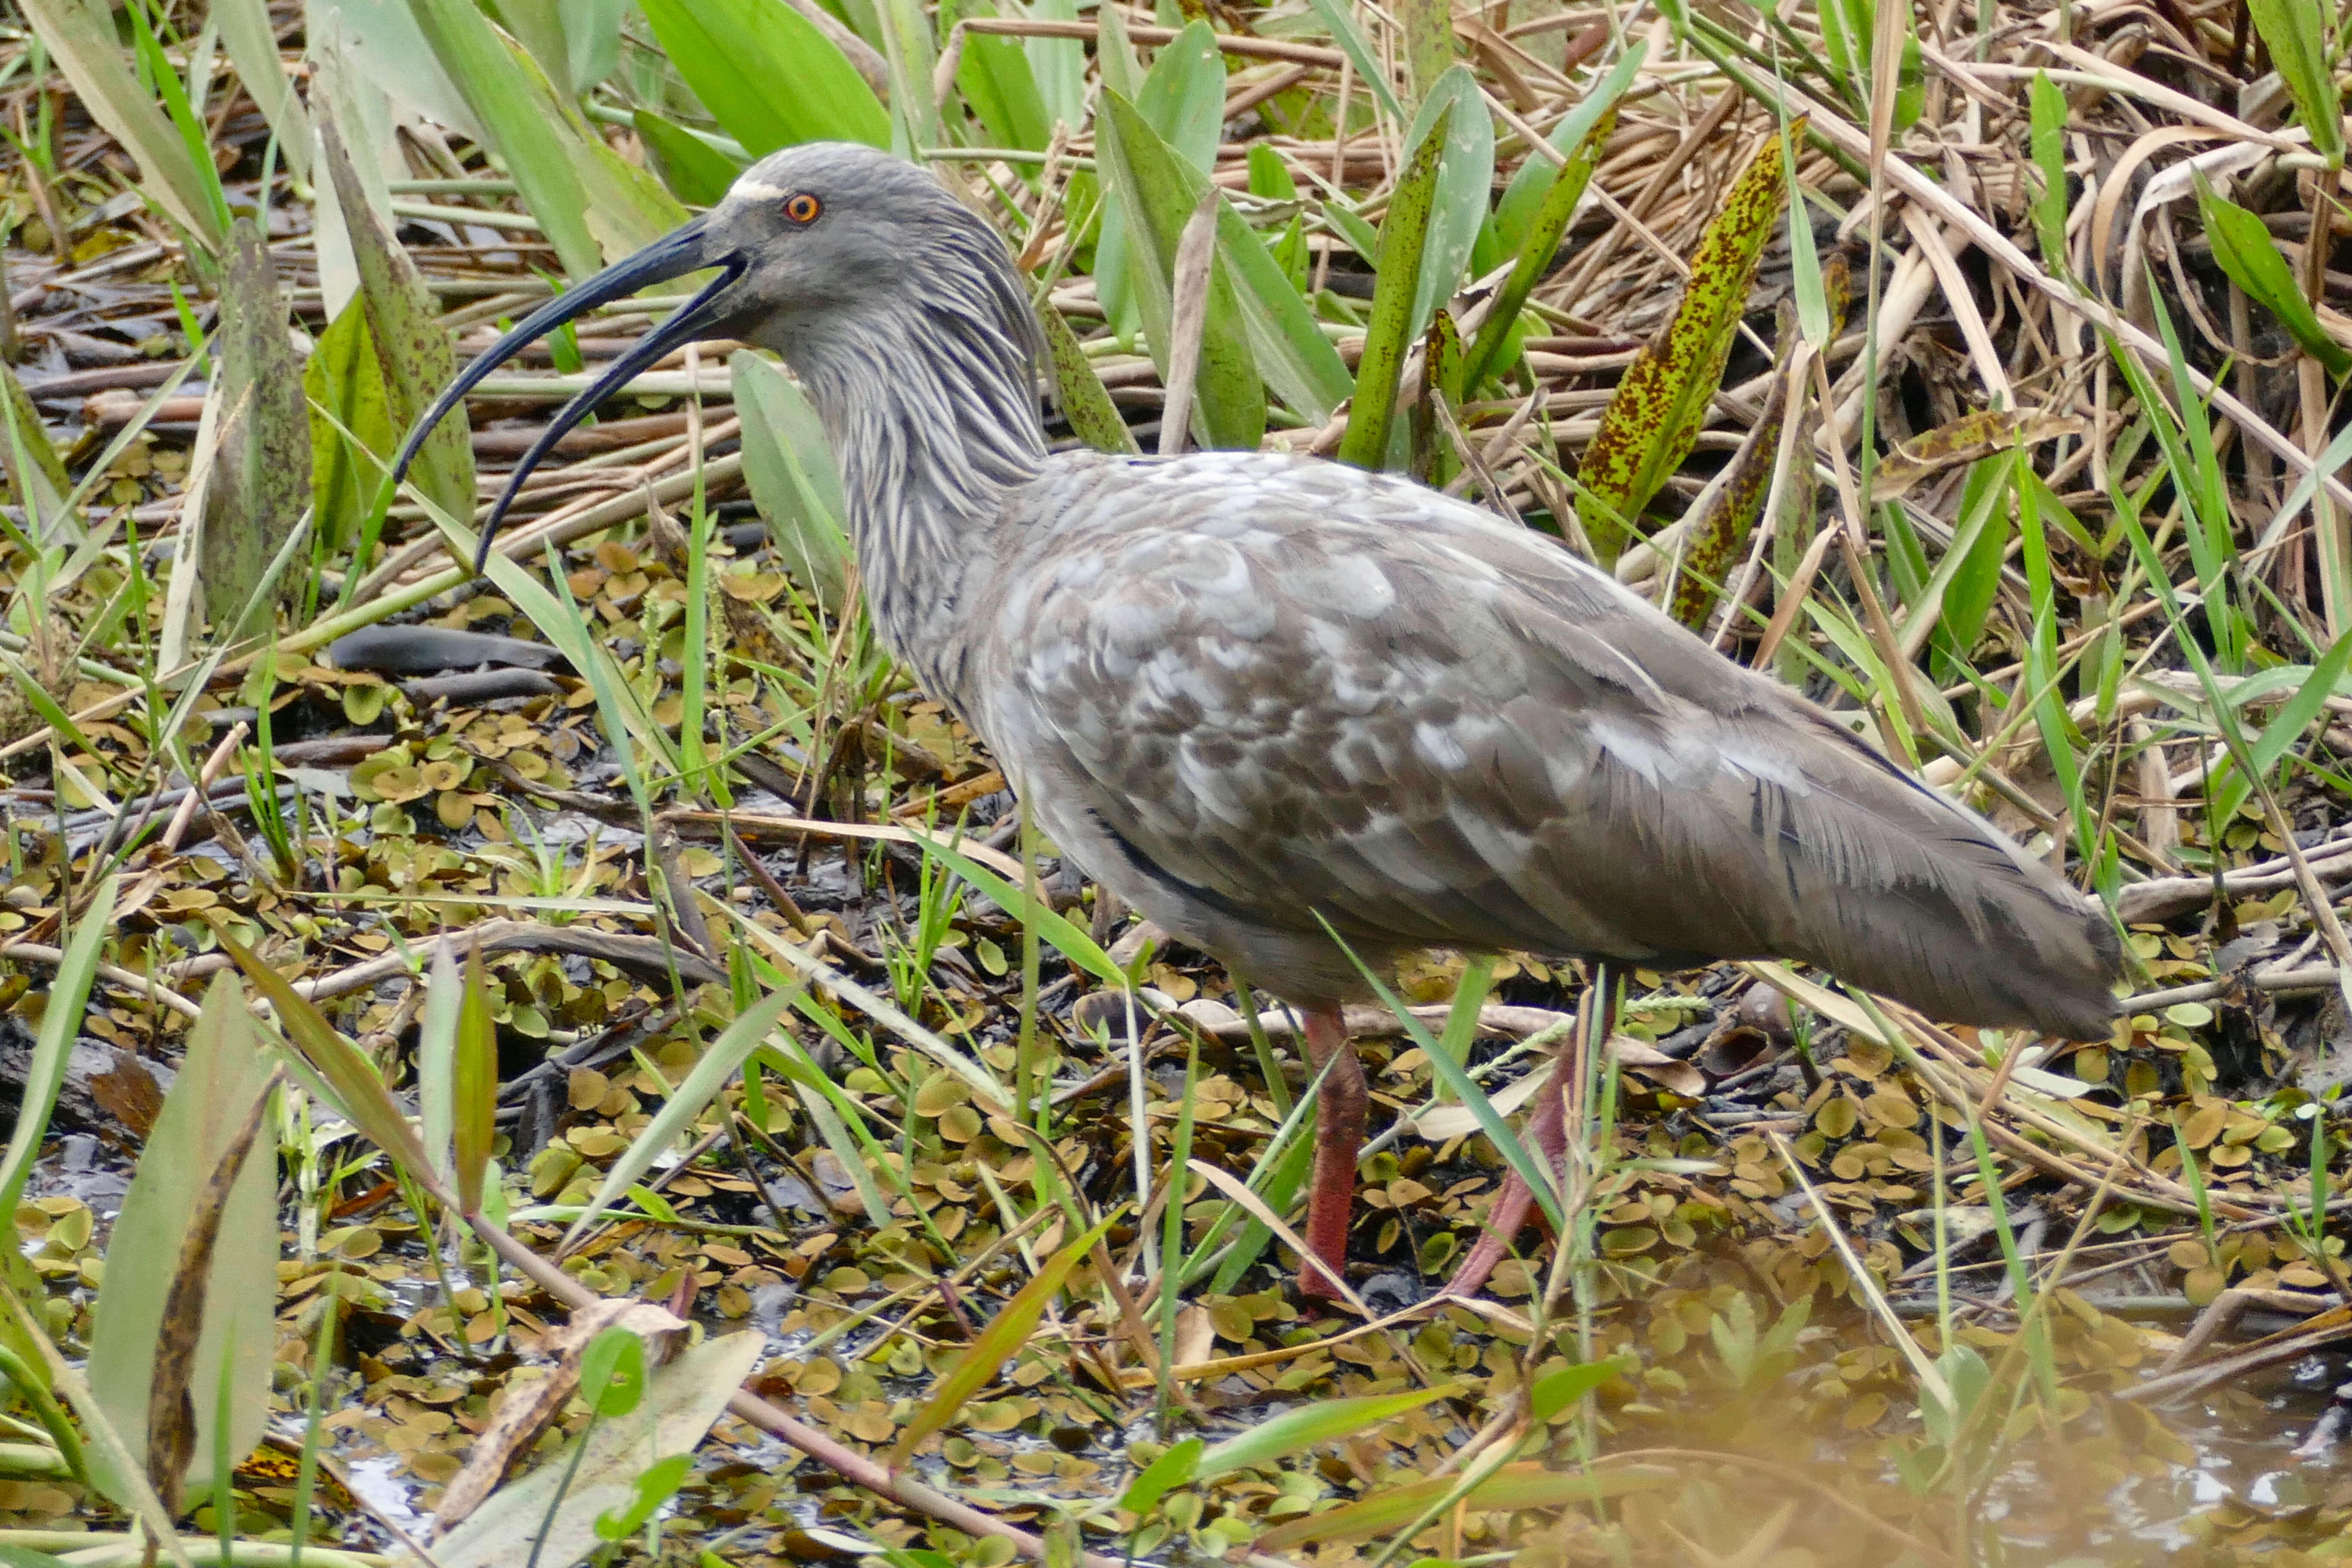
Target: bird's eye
802,209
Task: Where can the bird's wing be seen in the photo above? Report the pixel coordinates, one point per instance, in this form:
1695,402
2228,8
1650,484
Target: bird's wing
1288,688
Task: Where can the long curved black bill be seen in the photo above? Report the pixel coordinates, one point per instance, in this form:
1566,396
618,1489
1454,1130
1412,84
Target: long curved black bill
673,255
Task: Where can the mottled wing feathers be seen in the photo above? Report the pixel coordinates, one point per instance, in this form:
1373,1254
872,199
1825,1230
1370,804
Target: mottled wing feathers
1246,691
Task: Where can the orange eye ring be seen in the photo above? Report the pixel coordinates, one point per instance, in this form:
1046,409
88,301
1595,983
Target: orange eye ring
802,209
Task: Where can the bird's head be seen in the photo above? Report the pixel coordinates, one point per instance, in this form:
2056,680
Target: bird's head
814,246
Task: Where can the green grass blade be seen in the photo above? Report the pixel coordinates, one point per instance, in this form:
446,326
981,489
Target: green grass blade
61,1017
2294,31
1005,1334
2047,142
1358,50
1279,1436
789,464
711,1073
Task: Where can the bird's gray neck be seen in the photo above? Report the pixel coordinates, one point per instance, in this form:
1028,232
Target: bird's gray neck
933,418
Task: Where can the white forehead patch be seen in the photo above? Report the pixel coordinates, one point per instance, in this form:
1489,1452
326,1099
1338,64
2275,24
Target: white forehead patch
759,190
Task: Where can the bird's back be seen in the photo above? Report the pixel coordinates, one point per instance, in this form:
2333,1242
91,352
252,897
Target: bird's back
1247,691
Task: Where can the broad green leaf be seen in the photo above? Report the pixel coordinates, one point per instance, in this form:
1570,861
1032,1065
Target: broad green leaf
1562,1386
1653,417
1391,334
1175,100
1455,111
613,1374
1058,66
1329,1421
653,1486
404,330
592,205
1000,86
1980,544
220,1078
351,432
1147,182
1084,402
1005,1334
2245,249
766,74
696,172
713,1072
2047,142
1183,94
789,464
1297,361
436,1059
2295,32
61,1017
575,43
82,42
190,1303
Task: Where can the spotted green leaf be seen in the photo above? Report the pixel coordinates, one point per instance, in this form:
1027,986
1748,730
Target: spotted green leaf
404,331
1454,113
1403,230
1085,403
1652,420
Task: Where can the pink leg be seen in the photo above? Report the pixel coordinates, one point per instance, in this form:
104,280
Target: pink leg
1338,1136
1549,1129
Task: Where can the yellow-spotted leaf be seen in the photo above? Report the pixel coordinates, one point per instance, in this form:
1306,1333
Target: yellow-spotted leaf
1652,420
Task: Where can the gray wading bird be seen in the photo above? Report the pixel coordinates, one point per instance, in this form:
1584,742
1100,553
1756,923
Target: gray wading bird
1253,694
